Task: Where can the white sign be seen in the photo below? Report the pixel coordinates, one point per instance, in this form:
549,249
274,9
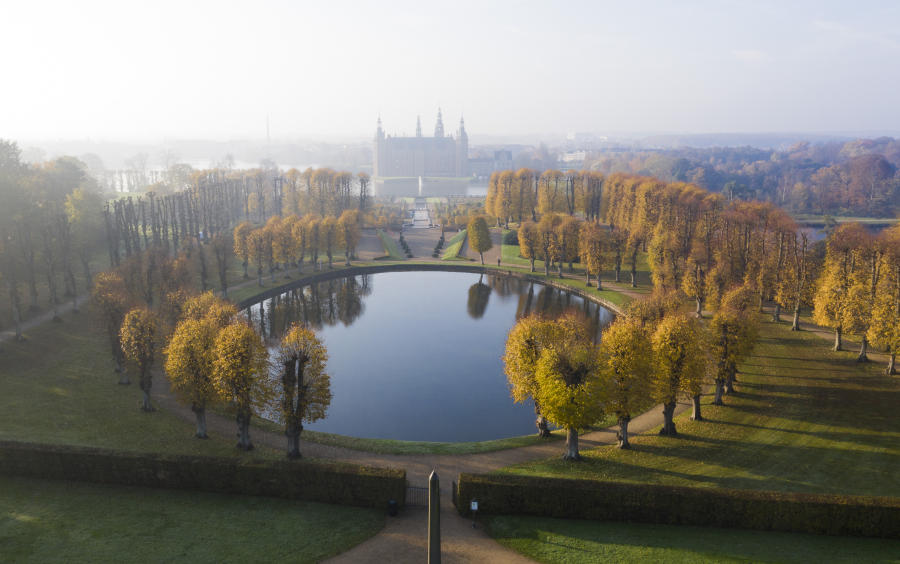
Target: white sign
474,505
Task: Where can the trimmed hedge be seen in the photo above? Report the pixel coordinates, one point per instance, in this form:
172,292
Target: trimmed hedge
649,503
343,484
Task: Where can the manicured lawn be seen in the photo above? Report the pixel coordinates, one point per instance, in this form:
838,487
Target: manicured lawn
805,419
59,387
563,540
43,521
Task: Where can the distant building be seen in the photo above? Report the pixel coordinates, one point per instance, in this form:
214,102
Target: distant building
440,155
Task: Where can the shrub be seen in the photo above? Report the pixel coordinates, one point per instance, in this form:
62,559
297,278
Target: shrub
344,484
651,503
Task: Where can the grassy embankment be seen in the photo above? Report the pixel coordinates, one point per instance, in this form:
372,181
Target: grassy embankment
805,419
454,245
390,246
47,521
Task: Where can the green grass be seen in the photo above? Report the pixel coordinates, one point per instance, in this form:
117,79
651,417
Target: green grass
454,245
59,387
390,246
510,253
42,521
562,540
805,419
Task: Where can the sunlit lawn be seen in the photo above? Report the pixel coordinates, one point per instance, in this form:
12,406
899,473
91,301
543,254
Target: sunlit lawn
805,419
42,521
562,540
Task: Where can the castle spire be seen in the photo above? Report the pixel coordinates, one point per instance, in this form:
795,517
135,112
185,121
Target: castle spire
418,126
439,126
379,132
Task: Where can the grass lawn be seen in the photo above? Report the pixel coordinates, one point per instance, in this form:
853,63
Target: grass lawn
44,521
805,419
59,387
454,245
563,540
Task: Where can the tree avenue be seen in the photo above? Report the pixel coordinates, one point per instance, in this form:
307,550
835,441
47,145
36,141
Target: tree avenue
189,365
306,386
625,354
679,366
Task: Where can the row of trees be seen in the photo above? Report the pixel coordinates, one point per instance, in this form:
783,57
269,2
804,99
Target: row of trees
284,242
652,352
519,195
701,244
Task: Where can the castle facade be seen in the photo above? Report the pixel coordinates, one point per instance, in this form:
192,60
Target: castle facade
441,156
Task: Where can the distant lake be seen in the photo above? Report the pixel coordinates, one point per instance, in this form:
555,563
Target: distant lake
417,355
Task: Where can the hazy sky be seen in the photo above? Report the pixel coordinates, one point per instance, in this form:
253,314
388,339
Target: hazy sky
123,70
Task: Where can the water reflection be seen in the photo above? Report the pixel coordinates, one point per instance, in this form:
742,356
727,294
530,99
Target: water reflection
406,354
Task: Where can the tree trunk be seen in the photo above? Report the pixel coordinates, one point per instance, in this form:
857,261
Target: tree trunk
243,422
622,436
482,258
259,277
863,349
571,444
347,256
541,422
546,267
633,278
776,313
837,339
559,266
246,275
200,414
293,440
699,311
695,411
146,385
532,264
618,269
668,428
729,382
587,277
795,326
892,361
720,389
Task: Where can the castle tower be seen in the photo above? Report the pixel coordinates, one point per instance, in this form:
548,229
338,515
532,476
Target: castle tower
462,150
418,126
379,149
439,126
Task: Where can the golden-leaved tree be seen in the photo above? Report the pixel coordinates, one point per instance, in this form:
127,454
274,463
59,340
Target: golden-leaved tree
306,386
241,375
479,236
625,353
679,365
189,364
139,334
529,242
110,298
569,387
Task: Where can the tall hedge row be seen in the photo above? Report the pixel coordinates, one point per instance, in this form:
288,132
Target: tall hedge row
343,484
648,503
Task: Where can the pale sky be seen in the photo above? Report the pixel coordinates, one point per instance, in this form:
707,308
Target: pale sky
139,71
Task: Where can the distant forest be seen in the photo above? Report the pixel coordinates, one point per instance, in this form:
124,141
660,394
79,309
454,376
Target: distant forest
854,178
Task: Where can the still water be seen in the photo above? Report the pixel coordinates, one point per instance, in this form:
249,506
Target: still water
417,355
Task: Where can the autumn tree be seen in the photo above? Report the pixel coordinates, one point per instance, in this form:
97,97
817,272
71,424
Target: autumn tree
678,366
222,249
625,353
110,298
138,335
329,236
529,241
884,329
259,247
241,376
348,228
590,246
306,385
794,288
479,236
242,244
694,284
569,387
566,242
524,345
189,365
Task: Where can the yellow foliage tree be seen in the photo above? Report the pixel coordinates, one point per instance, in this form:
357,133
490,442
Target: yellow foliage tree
348,226
138,334
110,298
569,387
529,241
479,236
679,365
625,353
241,244
241,375
306,386
189,364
